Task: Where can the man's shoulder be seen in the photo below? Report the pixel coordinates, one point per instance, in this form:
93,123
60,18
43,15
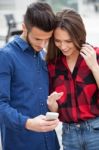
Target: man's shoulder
7,48
7,51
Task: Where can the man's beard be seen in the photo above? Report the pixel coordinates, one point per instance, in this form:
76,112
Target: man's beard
27,39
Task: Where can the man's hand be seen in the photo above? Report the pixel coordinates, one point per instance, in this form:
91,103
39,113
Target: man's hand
41,124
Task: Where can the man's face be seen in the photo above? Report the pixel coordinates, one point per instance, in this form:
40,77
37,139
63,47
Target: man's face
38,38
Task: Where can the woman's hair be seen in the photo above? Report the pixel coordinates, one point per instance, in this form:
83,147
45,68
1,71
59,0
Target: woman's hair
39,15
70,21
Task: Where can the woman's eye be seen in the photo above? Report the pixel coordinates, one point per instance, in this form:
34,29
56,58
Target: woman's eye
57,41
69,41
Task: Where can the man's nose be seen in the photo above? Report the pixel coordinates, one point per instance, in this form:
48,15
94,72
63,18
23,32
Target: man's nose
43,43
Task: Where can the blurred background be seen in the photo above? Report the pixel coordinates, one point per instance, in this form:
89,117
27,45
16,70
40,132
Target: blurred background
12,12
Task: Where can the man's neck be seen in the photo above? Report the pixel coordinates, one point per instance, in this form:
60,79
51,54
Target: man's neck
22,36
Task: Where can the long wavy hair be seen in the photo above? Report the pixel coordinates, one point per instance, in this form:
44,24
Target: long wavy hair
70,21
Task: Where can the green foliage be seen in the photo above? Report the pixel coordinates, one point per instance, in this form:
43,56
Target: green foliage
60,4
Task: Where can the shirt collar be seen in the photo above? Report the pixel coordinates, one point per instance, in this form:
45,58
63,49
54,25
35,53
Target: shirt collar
21,43
25,46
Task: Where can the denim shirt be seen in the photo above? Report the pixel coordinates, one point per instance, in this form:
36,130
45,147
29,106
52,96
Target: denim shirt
23,94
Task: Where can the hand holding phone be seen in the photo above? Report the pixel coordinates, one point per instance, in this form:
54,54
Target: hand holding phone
52,115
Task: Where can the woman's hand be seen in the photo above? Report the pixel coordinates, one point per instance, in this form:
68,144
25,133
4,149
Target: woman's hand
89,55
52,101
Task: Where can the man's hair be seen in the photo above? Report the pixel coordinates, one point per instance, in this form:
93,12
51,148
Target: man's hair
39,15
68,20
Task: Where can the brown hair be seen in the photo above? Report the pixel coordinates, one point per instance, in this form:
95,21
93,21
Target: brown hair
39,15
70,21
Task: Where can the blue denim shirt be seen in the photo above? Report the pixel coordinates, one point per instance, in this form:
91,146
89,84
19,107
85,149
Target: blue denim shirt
23,94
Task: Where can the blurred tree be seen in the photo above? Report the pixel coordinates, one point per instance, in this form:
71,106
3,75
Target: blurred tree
58,5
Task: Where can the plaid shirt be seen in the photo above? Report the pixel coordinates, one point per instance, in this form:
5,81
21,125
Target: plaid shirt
80,100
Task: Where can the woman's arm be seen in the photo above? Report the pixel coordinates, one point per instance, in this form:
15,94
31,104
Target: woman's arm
89,55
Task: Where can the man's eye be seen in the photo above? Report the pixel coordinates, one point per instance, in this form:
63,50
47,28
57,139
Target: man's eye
37,39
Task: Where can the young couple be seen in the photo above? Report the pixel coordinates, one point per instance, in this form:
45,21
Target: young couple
73,83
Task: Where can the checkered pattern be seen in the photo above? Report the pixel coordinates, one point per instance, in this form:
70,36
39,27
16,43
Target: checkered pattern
80,100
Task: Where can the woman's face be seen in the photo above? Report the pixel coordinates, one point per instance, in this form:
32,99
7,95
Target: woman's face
64,42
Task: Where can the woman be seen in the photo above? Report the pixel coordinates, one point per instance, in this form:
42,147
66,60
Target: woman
74,80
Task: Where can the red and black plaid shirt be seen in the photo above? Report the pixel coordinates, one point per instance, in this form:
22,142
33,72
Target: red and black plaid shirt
80,100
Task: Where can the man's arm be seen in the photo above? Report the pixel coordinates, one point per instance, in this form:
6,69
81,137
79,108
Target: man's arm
9,115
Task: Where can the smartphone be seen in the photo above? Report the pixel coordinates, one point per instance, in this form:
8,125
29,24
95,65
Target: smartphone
52,115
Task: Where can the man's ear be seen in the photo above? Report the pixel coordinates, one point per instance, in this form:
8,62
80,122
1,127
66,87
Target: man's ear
24,28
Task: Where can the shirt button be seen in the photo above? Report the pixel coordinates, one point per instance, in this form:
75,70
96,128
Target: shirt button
34,56
46,137
40,88
41,104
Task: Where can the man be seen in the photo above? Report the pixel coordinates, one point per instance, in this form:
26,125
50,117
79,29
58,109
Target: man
24,85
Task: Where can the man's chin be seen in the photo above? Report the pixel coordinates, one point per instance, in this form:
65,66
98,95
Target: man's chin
38,49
